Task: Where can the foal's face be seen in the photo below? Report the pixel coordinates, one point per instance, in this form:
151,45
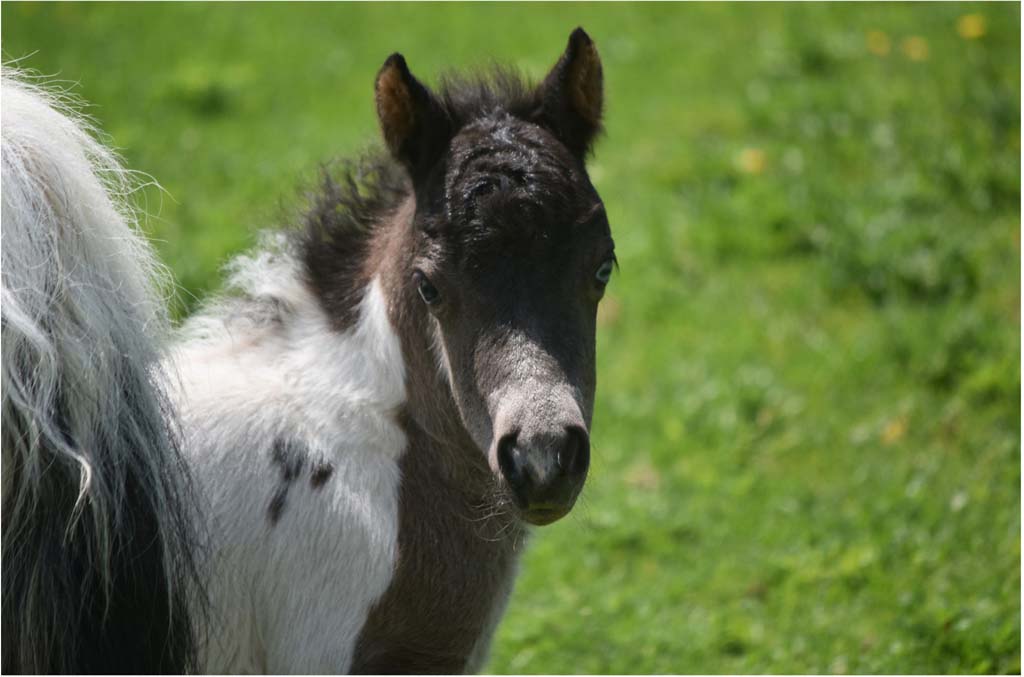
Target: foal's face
512,270
513,253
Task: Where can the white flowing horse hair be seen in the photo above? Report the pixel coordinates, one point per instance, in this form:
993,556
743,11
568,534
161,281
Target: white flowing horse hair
90,466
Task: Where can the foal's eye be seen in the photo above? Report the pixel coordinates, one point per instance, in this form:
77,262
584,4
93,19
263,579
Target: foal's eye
428,292
604,272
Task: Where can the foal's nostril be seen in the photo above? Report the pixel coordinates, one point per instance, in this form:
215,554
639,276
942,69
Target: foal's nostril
574,457
510,461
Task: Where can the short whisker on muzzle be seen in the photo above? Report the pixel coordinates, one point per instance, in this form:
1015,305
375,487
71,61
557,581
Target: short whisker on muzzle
494,515
581,514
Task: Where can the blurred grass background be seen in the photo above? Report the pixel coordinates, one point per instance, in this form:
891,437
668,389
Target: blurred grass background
807,436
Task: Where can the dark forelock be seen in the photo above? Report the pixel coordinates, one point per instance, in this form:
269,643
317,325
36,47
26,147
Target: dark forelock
509,178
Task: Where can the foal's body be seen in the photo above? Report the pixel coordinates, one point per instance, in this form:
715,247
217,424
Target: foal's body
267,402
300,433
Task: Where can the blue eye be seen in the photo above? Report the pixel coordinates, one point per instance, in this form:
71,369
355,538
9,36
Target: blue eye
604,272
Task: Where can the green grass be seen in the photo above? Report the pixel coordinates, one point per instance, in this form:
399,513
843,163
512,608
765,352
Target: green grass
807,433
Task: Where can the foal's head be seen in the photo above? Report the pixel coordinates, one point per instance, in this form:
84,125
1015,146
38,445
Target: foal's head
511,257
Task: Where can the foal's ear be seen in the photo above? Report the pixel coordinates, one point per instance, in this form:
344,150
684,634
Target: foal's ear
572,94
414,123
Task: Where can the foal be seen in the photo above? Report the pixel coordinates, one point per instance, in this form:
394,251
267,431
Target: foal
393,391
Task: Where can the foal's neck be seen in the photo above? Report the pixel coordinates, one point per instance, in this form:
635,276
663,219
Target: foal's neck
430,411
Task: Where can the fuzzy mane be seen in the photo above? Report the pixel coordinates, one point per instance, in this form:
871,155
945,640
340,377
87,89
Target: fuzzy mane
338,224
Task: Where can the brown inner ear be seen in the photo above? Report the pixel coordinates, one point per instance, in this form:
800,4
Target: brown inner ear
394,108
585,87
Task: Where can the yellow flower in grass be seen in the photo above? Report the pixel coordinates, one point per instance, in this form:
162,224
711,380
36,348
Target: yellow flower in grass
751,161
894,430
915,48
971,26
879,43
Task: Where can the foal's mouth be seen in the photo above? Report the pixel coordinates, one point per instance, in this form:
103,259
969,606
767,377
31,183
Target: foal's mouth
542,516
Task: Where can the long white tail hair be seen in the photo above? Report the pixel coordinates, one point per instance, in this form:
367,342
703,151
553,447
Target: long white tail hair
99,554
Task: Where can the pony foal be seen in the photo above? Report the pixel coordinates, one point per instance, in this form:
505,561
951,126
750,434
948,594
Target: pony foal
384,398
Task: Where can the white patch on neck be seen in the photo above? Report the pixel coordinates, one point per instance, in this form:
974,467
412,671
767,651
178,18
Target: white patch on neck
293,595
358,370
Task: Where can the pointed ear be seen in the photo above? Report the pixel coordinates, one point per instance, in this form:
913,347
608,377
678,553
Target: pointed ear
572,94
413,121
